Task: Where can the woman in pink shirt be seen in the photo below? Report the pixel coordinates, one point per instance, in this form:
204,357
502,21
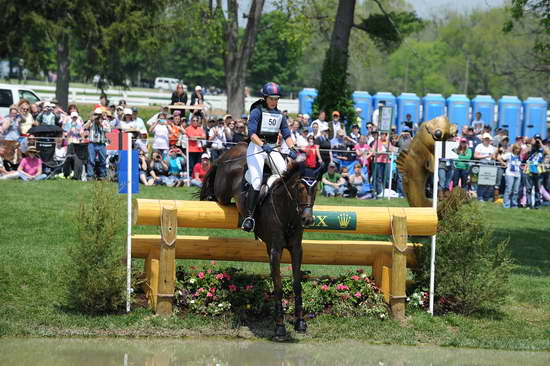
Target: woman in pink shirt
195,132
363,151
30,167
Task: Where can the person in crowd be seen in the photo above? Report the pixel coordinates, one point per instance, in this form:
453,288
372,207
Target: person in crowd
534,170
141,142
143,167
478,124
179,96
512,175
312,153
546,165
73,128
177,170
158,169
333,183
47,116
4,173
27,120
408,122
139,124
381,150
360,181
485,153
175,129
370,131
501,149
119,114
335,125
199,171
161,135
196,135
197,97
315,131
35,111
403,143
473,140
355,133
376,114
229,129
217,138
127,123
97,148
339,145
30,167
304,123
363,152
322,121
462,167
11,125
240,133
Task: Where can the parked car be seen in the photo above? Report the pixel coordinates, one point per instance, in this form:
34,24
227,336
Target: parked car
166,83
12,94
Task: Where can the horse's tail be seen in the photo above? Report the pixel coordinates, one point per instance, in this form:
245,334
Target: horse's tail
207,190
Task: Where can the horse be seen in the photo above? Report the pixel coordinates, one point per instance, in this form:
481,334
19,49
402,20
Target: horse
281,216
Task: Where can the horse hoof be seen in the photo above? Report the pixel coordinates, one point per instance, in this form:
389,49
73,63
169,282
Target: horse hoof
280,332
300,326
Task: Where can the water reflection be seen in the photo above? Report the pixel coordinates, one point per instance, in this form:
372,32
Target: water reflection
159,352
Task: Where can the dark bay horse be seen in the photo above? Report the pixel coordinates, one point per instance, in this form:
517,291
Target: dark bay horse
280,218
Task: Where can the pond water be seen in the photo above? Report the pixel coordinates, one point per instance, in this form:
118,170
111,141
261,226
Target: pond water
159,352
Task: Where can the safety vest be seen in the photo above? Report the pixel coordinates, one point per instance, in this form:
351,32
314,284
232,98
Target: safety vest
270,125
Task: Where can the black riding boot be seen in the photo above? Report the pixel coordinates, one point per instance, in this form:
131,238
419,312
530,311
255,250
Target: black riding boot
248,222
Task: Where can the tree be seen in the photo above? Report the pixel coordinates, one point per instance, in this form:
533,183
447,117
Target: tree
238,51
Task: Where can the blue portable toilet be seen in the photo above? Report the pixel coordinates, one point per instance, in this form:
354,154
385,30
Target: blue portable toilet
535,117
407,103
484,104
433,105
390,100
305,100
458,110
509,116
363,100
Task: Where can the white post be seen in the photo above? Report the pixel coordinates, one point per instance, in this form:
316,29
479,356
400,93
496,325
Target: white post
129,238
438,149
391,174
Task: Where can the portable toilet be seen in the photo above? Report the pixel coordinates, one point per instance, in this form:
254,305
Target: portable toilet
458,110
407,103
484,104
535,118
390,100
509,116
363,100
433,105
305,100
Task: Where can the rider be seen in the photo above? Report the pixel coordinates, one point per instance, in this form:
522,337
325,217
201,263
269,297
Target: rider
264,125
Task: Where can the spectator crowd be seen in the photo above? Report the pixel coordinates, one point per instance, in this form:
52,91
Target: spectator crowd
177,145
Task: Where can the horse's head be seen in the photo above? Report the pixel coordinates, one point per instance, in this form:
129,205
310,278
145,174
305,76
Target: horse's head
306,191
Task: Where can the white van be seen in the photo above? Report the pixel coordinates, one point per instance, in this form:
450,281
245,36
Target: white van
12,94
166,83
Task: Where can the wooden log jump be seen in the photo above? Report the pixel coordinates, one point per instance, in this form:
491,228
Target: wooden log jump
389,260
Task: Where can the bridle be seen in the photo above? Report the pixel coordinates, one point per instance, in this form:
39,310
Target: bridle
310,184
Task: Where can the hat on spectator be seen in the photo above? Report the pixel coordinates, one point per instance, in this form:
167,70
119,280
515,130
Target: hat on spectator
486,136
109,113
74,114
227,116
98,110
134,110
332,165
177,113
119,108
205,156
354,126
127,111
48,104
306,116
537,136
336,113
198,87
32,149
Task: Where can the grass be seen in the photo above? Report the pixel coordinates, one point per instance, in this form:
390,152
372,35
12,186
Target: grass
36,231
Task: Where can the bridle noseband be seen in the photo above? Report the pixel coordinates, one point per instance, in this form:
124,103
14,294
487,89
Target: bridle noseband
310,183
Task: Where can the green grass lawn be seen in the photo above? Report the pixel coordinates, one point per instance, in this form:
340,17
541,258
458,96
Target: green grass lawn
36,230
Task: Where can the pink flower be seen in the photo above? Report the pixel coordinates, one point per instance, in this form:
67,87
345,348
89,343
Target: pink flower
201,290
324,288
209,294
213,263
342,287
248,287
212,289
219,276
227,277
209,271
355,278
232,288
357,294
200,275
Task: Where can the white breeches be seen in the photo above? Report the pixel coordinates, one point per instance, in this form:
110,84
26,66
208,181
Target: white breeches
256,159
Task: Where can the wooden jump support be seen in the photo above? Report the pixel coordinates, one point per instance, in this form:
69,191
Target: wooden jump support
389,260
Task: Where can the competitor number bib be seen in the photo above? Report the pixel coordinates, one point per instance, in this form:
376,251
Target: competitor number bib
271,123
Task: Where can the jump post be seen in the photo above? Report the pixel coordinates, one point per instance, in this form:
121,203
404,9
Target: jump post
389,260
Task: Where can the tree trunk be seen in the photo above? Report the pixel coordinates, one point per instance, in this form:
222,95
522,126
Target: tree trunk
339,41
237,54
62,83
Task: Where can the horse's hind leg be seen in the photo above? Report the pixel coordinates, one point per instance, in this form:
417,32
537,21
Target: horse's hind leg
296,257
275,264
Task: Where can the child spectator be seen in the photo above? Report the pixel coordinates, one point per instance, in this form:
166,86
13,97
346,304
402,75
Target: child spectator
176,168
461,165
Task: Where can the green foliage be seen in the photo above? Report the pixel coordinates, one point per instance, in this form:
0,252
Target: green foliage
472,268
95,272
213,290
334,91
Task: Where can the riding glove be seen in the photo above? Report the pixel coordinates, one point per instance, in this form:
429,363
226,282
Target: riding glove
267,148
293,154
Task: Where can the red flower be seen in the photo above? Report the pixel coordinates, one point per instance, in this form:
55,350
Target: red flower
248,287
219,276
324,288
227,277
342,287
201,290
355,278
232,288
212,289
209,294
357,294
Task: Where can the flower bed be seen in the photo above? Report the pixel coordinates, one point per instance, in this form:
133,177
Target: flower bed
214,290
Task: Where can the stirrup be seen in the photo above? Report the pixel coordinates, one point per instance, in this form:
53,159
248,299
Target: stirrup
246,220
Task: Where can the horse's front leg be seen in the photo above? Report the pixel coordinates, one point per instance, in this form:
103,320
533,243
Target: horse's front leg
296,257
275,264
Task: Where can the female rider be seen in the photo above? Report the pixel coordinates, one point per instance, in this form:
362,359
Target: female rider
264,125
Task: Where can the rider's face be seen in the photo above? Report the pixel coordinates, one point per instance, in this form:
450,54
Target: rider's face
272,102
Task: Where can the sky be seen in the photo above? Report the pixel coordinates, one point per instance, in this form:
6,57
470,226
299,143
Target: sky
428,8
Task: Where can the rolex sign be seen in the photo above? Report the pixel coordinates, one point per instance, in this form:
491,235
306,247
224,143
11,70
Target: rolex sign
334,220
